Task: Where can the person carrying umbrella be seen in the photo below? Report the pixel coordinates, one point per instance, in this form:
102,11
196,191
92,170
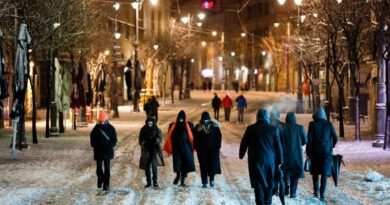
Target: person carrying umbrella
262,142
179,143
322,138
293,138
207,141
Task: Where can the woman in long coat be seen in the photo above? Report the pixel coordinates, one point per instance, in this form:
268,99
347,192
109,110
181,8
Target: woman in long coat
322,138
179,143
150,138
207,141
293,138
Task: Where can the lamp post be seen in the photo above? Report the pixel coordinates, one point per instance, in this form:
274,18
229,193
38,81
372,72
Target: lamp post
299,108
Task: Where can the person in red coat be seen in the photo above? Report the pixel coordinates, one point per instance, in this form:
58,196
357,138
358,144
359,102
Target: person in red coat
227,104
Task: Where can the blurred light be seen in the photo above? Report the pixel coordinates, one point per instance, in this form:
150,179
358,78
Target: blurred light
116,6
214,33
276,25
207,73
386,27
192,60
107,52
339,1
185,19
30,50
204,43
56,25
263,53
31,64
155,46
303,17
135,5
117,35
281,2
201,16
243,34
255,71
220,58
299,2
315,15
233,53
154,2
199,24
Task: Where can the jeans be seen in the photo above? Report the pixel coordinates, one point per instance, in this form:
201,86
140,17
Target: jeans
263,195
103,177
240,114
151,163
227,114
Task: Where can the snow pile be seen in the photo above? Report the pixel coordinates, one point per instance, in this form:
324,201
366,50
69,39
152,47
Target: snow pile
373,176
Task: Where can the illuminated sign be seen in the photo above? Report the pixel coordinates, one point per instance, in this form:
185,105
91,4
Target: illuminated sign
207,4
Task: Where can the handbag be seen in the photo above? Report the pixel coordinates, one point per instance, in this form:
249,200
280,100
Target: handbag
307,165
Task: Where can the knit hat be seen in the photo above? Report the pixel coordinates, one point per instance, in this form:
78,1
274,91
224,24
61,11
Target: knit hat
102,116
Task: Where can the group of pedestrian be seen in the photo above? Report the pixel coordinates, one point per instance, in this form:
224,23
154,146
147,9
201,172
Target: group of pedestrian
227,104
275,153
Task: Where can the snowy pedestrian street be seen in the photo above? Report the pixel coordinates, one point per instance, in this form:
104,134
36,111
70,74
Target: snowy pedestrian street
61,170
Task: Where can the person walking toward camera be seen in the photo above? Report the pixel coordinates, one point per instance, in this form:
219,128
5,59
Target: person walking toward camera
150,138
103,140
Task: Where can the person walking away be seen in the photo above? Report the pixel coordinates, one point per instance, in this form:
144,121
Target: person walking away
275,121
147,106
179,143
209,85
207,141
103,140
293,138
216,104
227,103
153,107
204,86
262,142
241,106
322,138
150,138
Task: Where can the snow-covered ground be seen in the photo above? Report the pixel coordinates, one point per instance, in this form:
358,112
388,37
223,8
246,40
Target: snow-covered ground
61,170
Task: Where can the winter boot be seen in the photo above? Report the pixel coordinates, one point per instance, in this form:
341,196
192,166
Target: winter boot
176,180
212,183
182,181
204,186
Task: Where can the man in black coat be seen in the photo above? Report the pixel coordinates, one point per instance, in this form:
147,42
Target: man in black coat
150,138
275,121
153,107
103,140
293,138
264,152
207,141
216,104
322,138
179,143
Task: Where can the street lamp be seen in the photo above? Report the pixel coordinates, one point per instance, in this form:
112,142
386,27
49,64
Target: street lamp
117,35
299,2
185,19
281,2
201,16
232,53
154,2
199,24
116,6
107,52
263,53
243,34
155,46
276,25
204,43
214,33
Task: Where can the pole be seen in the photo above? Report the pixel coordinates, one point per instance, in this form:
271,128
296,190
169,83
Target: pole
287,59
137,68
299,107
253,63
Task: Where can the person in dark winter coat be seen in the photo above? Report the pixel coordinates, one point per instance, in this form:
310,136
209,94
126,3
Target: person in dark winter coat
103,140
147,106
293,138
150,138
227,103
264,152
241,106
154,105
207,141
216,103
275,121
179,143
322,138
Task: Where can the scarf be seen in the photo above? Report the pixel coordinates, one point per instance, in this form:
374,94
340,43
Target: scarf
168,142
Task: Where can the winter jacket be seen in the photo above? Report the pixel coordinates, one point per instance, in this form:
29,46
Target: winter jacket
150,140
227,102
293,138
216,103
207,141
103,145
262,142
241,102
322,138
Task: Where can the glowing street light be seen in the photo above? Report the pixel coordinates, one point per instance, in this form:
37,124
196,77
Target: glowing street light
214,33
107,52
201,16
243,34
263,53
155,46
299,2
154,2
199,24
315,15
185,19
117,35
232,53
276,25
339,1
281,2
116,6
192,60
135,5
220,58
204,43
303,17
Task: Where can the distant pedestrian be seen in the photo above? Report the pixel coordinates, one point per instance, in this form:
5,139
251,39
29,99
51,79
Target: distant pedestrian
103,140
322,138
204,86
275,121
147,106
216,103
209,85
236,85
207,141
241,106
227,103
264,152
293,138
153,107
150,138
179,143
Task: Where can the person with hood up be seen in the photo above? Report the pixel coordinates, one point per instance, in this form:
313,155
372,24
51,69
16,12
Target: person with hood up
293,138
227,104
216,104
262,142
150,138
322,138
103,140
275,121
207,141
179,143
241,106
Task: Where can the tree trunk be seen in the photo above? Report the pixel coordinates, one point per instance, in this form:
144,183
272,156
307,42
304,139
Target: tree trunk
47,131
340,108
34,110
382,96
181,80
